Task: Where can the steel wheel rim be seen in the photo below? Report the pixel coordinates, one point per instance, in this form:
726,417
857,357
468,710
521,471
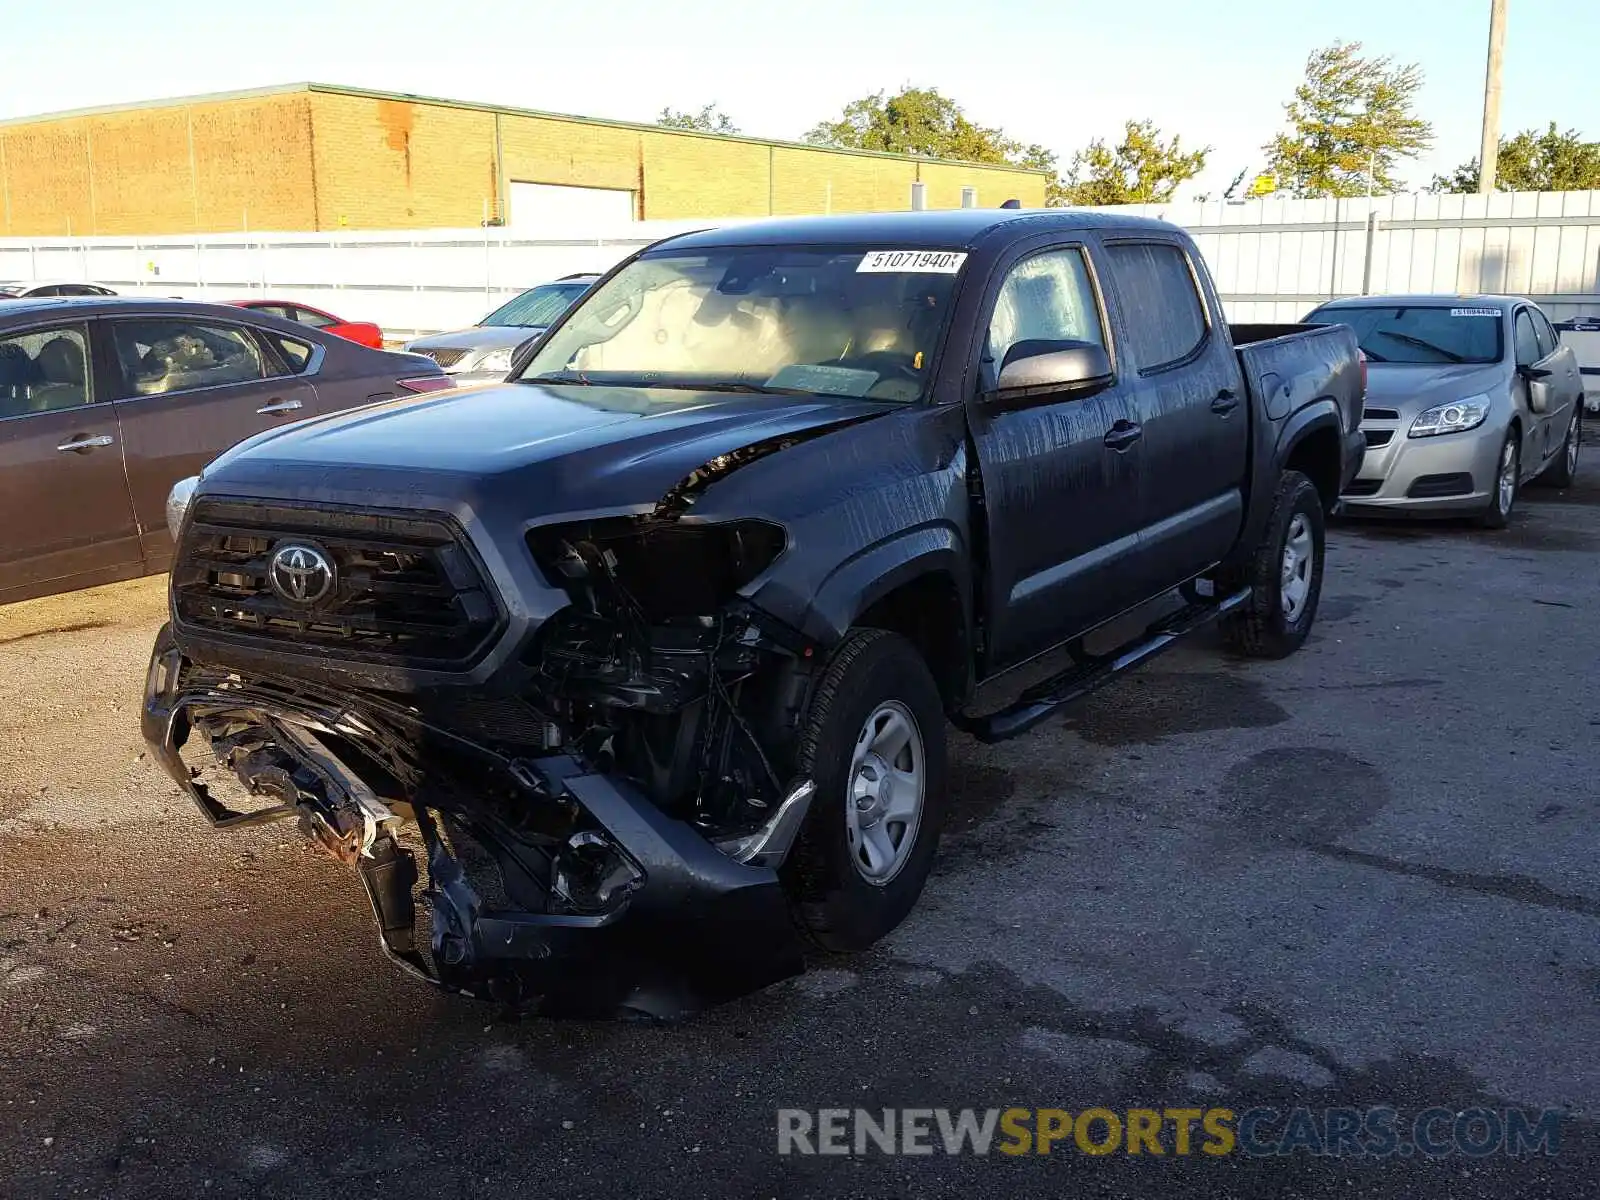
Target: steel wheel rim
1573,438
1294,584
883,799
1507,489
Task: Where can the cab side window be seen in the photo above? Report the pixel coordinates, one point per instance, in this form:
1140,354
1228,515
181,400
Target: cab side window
44,370
1164,313
1048,297
1527,339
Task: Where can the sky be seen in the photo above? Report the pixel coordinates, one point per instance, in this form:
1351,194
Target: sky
1214,72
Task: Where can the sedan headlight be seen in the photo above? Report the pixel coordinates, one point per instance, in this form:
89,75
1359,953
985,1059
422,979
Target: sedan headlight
178,503
495,360
1455,417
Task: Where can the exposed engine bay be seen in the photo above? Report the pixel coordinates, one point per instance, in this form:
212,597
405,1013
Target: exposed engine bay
642,762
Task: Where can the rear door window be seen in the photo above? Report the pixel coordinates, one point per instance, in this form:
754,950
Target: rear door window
1166,318
311,317
161,354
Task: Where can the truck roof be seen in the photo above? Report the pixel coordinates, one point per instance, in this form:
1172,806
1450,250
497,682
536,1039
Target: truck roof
945,228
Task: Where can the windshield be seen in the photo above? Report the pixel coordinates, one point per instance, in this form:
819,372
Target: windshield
855,323
1416,335
536,307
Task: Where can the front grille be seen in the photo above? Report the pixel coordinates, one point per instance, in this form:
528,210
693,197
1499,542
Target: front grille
445,358
1380,414
406,587
1363,487
1457,483
1378,437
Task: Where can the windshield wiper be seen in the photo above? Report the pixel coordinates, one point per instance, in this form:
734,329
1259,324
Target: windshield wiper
757,389
558,377
1422,343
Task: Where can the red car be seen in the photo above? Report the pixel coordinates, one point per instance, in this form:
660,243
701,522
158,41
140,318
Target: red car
363,332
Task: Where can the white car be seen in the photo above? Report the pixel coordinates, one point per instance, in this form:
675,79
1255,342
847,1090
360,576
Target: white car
37,288
1583,335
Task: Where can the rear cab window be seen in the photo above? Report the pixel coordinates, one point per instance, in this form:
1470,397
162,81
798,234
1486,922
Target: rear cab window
1160,293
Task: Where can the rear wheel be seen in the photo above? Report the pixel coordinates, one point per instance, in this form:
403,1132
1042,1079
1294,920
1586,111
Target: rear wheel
1564,469
1284,575
874,746
1503,494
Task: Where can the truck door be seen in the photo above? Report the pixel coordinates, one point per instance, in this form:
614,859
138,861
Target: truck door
1060,471
1185,391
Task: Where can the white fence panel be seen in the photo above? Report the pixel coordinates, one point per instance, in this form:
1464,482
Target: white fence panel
1272,259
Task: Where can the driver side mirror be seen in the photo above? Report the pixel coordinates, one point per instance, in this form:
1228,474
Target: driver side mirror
1039,367
1532,372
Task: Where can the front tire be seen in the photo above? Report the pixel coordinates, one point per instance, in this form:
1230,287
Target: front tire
1284,575
874,746
1508,476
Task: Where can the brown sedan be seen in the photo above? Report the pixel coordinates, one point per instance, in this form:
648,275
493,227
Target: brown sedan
106,403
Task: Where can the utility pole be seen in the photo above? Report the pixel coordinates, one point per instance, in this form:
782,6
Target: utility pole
1489,150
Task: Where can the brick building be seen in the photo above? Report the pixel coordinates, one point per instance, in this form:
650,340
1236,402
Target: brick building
313,157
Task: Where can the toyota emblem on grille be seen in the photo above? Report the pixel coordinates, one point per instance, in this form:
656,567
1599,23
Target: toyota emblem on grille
301,574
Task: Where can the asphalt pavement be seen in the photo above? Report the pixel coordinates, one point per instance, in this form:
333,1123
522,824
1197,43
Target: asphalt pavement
1362,876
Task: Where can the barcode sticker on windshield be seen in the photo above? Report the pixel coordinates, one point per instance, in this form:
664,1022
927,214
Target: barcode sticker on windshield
936,262
1474,312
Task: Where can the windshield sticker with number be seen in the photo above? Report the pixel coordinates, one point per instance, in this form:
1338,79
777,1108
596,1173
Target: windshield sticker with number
1474,312
936,262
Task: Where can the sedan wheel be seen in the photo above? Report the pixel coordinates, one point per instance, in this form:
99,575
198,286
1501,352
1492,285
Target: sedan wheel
1504,495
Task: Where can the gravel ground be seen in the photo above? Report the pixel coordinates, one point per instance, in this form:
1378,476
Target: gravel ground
1365,875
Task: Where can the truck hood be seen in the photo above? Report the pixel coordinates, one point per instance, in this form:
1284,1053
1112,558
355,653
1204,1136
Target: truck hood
546,448
1412,389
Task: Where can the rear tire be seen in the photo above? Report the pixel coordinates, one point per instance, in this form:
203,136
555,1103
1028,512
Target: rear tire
1564,470
874,745
1284,575
1507,480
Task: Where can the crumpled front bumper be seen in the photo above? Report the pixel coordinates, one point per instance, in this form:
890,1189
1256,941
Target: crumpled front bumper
680,924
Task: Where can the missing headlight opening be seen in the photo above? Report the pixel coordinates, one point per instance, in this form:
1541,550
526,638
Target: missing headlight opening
660,671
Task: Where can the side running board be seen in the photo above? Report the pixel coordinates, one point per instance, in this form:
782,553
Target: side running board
1089,672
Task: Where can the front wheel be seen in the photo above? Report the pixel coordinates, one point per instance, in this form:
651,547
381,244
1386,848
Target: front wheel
874,746
1284,575
1503,492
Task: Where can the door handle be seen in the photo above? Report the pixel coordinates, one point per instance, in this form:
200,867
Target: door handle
1123,434
79,445
278,406
1225,402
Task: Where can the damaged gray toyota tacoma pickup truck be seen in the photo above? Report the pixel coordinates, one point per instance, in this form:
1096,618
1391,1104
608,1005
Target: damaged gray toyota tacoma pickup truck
625,681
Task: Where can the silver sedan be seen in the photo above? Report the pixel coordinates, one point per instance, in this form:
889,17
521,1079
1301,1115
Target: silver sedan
1468,398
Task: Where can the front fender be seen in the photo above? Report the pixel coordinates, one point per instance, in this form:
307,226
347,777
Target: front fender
859,582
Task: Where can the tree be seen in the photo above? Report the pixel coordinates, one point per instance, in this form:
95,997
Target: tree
710,119
1141,169
1534,162
924,122
1352,116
